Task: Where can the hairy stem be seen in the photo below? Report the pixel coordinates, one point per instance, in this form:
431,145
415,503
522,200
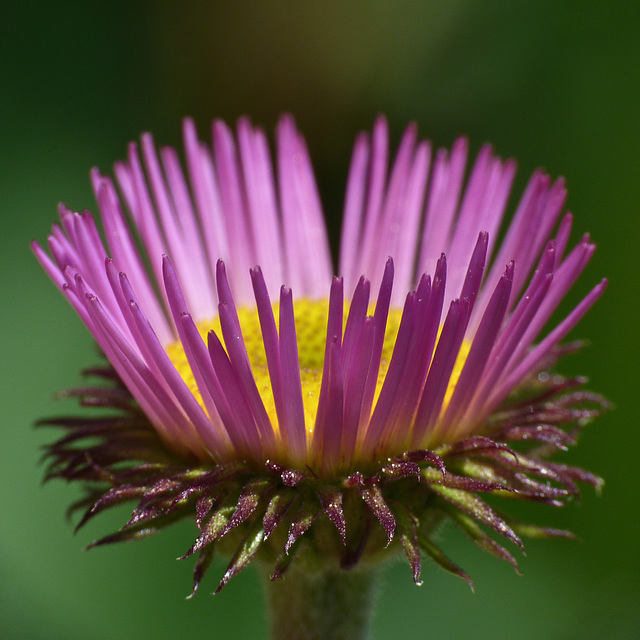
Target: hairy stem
325,604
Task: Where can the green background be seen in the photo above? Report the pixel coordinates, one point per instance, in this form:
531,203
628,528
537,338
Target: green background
553,84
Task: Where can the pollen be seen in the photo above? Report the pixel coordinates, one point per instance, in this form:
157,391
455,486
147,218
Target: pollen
311,330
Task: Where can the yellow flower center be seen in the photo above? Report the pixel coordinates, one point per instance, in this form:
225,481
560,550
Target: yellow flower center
311,329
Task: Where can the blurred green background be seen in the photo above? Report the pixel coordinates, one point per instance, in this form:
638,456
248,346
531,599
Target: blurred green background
555,84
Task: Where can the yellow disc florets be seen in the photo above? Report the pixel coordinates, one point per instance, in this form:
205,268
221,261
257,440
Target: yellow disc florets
311,331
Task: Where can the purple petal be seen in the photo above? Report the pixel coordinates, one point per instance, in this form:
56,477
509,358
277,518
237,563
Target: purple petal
380,425
328,426
293,431
353,216
379,325
440,371
479,352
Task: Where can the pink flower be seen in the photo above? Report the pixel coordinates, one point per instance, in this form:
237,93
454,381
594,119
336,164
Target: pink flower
216,304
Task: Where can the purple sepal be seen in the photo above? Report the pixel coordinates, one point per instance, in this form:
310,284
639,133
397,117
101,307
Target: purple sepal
124,460
203,508
545,433
372,495
464,483
244,554
282,564
127,535
424,455
473,531
247,503
205,557
412,551
277,509
289,477
534,531
478,445
436,554
211,531
331,501
408,526
396,468
300,523
570,475
480,510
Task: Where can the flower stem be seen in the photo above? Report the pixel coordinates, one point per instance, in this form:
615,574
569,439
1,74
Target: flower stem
325,604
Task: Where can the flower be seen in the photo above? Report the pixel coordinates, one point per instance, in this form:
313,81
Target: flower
254,391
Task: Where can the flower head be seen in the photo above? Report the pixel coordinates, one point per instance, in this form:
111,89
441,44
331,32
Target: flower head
256,391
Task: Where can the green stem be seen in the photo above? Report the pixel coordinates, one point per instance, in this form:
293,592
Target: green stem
326,604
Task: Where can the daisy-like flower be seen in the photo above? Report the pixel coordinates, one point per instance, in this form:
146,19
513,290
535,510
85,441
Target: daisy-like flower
307,419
